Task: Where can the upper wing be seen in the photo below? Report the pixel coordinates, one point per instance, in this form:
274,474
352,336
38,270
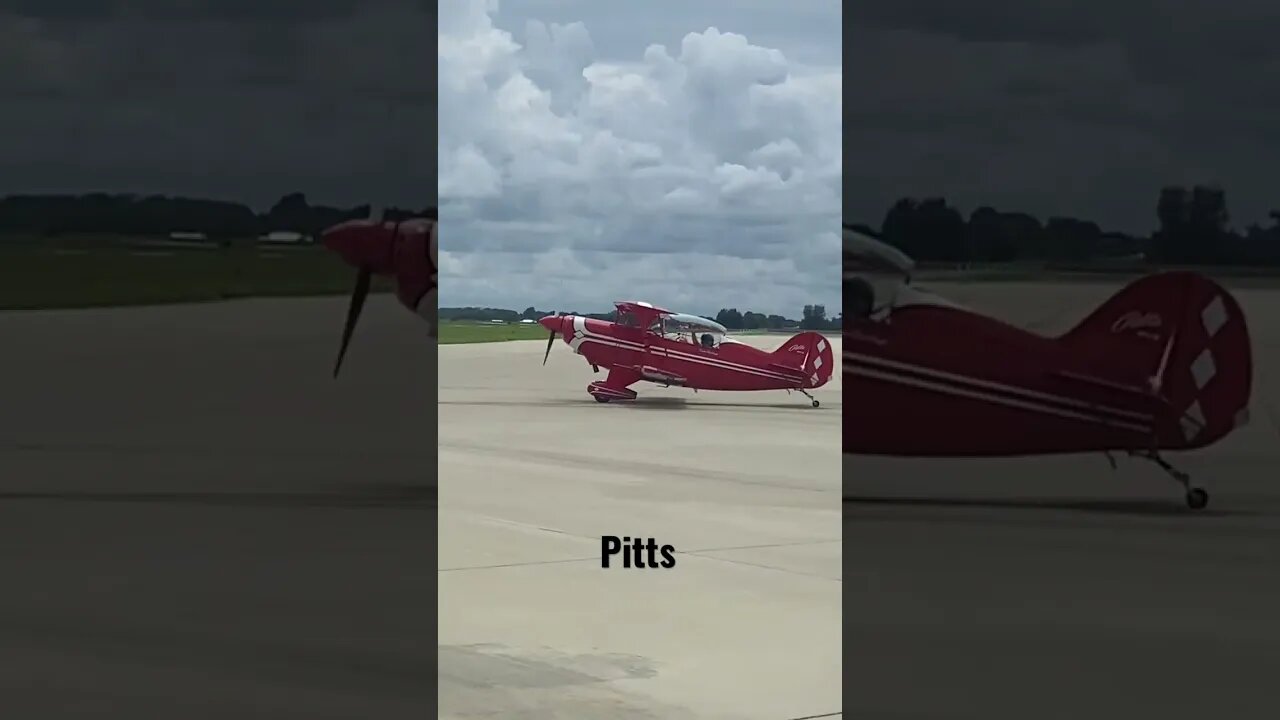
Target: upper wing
644,313
695,322
865,254
639,306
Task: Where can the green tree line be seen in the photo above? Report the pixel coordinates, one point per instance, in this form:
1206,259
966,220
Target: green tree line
813,317
159,215
1193,227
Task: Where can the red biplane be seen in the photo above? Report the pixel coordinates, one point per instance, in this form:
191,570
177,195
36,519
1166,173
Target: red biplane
403,250
667,348
1165,364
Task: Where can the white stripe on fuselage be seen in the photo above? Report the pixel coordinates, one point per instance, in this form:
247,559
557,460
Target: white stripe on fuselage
942,375
979,389
584,335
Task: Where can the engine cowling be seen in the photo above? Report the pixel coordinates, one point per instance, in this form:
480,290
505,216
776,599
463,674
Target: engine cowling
416,270
405,251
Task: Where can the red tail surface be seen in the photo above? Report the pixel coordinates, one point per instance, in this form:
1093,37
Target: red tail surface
1181,336
809,352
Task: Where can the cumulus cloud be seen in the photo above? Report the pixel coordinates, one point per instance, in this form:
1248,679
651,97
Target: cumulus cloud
702,175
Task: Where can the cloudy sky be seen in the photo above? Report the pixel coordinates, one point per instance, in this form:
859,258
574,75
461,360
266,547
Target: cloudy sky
685,153
238,99
1047,108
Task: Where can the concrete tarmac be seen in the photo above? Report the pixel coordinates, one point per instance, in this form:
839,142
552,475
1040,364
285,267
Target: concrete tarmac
197,522
1056,588
533,472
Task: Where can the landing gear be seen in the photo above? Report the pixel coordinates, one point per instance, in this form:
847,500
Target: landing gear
812,400
1197,498
603,393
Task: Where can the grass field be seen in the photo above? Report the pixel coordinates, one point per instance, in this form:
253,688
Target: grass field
456,331
69,275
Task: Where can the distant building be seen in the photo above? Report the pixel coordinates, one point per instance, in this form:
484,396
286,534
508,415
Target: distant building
285,236
527,321
199,236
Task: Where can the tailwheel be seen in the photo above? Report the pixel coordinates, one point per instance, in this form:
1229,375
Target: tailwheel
1197,498
812,400
816,403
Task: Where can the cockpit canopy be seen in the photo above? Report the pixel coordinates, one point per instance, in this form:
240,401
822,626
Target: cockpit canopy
873,273
680,322
690,328
866,255
672,325
877,279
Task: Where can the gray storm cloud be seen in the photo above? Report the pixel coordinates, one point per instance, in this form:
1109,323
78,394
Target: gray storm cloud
1051,108
240,100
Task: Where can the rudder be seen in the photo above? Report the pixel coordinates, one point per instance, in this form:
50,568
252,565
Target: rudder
810,352
1183,336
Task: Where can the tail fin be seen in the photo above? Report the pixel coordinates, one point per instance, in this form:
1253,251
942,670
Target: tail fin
809,352
1183,336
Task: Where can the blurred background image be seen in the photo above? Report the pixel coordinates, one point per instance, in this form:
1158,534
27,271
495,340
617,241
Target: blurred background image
197,519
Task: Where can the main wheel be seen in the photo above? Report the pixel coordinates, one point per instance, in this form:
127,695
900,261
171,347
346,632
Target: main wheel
815,403
1197,498
600,398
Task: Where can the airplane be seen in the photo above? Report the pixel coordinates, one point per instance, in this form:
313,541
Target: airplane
667,348
1164,364
403,250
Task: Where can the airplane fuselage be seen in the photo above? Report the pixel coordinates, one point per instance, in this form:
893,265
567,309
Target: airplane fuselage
1164,364
729,366
632,354
942,382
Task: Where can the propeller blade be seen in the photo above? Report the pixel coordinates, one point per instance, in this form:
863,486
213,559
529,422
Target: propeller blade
353,314
550,341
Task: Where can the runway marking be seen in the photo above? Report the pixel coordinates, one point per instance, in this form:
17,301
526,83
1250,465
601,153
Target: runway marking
168,449
734,561
644,470
693,553
525,526
375,498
